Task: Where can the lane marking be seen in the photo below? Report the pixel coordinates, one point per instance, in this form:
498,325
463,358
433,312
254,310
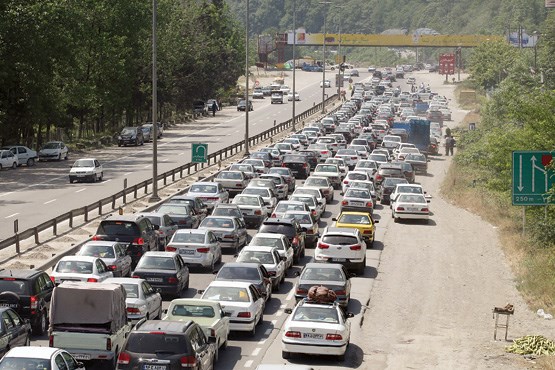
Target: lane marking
164,160
147,166
127,173
268,331
181,153
105,181
274,322
289,296
50,201
12,215
256,351
248,363
279,313
8,193
80,190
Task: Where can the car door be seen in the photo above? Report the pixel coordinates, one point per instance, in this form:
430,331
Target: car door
60,362
97,168
347,280
152,298
15,336
214,246
123,259
170,227
203,350
280,270
72,364
241,227
182,270
257,302
266,279
102,270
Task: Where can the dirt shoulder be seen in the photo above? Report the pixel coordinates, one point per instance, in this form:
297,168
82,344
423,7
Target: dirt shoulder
431,305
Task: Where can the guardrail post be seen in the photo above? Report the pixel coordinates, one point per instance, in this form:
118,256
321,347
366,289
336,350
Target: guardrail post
124,192
71,219
189,169
165,180
17,244
135,189
173,175
55,227
100,207
180,172
16,232
86,213
146,187
36,233
114,201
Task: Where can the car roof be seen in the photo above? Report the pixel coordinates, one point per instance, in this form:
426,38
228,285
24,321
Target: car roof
258,248
19,273
160,254
230,283
123,280
356,213
79,258
270,235
32,351
163,325
341,230
129,217
100,242
192,231
204,183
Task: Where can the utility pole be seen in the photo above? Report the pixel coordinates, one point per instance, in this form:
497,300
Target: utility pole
154,197
324,59
247,83
294,119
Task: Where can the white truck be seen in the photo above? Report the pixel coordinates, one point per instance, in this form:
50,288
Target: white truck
208,314
89,320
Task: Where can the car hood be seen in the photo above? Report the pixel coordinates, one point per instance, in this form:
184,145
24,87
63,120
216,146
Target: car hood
50,151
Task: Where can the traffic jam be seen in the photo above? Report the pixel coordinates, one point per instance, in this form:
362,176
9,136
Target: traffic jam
305,208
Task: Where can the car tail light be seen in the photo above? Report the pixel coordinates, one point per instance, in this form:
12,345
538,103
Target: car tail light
34,302
301,291
244,314
96,237
305,165
341,292
173,280
344,203
124,358
51,341
424,210
203,250
273,215
346,181
367,232
295,240
293,334
133,310
355,247
368,204
112,267
108,344
323,246
169,248
139,241
324,152
334,337
258,212
283,165
136,277
92,280
354,158
379,177
313,212
188,361
400,208
158,332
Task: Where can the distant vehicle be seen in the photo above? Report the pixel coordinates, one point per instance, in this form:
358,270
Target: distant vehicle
40,358
209,104
258,93
326,83
243,104
86,169
199,107
130,135
53,150
8,159
14,331
24,155
277,97
141,299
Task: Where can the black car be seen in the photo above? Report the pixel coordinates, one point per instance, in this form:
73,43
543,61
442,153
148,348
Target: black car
131,135
28,292
388,185
181,213
291,229
165,271
387,171
311,156
254,273
167,345
135,230
199,107
298,164
243,104
14,331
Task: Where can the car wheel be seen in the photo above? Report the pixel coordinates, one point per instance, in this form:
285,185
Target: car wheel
212,265
285,355
101,176
136,142
30,162
60,156
42,326
65,158
361,267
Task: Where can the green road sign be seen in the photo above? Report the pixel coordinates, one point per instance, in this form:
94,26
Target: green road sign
199,153
531,180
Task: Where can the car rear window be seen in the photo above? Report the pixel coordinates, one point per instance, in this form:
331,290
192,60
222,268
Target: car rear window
102,251
151,343
390,171
118,228
221,211
287,230
188,238
25,363
77,267
294,158
192,311
339,239
8,284
238,273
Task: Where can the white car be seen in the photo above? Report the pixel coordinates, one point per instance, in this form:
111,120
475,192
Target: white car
354,176
197,247
331,171
114,255
53,150
342,245
290,96
411,206
270,198
285,206
24,154
241,301
323,184
285,89
325,150
295,142
80,268
315,207
268,257
142,300
406,189
31,357
350,156
8,159
253,208
316,328
278,241
315,191
211,193
86,169
340,162
326,83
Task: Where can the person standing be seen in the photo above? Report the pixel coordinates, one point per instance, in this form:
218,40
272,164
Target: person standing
448,143
214,108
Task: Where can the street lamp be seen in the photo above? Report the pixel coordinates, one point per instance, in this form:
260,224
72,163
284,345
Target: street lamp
247,82
154,198
293,129
324,60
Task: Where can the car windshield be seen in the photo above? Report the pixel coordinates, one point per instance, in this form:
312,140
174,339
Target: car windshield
354,219
188,238
357,193
174,209
280,171
246,201
261,241
302,218
339,239
101,251
409,189
255,191
378,157
204,188
131,290
367,164
227,211
324,168
224,223
238,273
228,175
284,146
12,285
156,263
390,171
416,157
256,257
122,228
226,293
391,182
308,200
322,274
128,131
151,343
19,363
84,163
254,162
361,184
351,152
314,192
411,198
52,146
316,182
294,158
242,167
146,129
316,314
357,176
284,207
187,310
76,267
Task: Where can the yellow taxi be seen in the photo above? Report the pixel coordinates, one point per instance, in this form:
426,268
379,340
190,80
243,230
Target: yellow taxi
358,220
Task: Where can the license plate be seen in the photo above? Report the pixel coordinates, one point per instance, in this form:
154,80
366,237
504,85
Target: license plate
156,280
154,367
81,356
312,336
186,251
80,175
357,203
339,259
412,209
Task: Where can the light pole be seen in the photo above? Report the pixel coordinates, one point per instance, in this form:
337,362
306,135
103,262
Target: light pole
535,33
293,129
247,83
154,197
324,60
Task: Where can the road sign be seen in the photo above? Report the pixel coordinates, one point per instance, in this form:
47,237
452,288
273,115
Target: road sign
531,180
199,153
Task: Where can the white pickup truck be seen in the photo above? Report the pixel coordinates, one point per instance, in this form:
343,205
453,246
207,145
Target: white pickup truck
89,320
208,314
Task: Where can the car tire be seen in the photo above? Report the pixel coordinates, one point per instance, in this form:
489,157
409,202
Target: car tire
285,355
101,176
212,265
70,180
30,162
361,267
60,156
42,326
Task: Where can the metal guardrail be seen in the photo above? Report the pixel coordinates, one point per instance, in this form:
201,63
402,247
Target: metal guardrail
134,190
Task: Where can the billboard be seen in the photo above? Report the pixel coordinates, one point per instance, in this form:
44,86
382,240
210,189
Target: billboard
333,39
447,64
522,39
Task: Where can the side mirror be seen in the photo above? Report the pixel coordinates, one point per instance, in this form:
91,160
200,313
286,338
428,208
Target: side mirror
158,290
165,311
156,227
297,273
376,221
227,314
350,315
428,201
200,291
304,229
341,193
235,255
284,259
334,219
288,311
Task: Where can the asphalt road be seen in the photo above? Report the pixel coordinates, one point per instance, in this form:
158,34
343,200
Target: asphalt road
37,194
